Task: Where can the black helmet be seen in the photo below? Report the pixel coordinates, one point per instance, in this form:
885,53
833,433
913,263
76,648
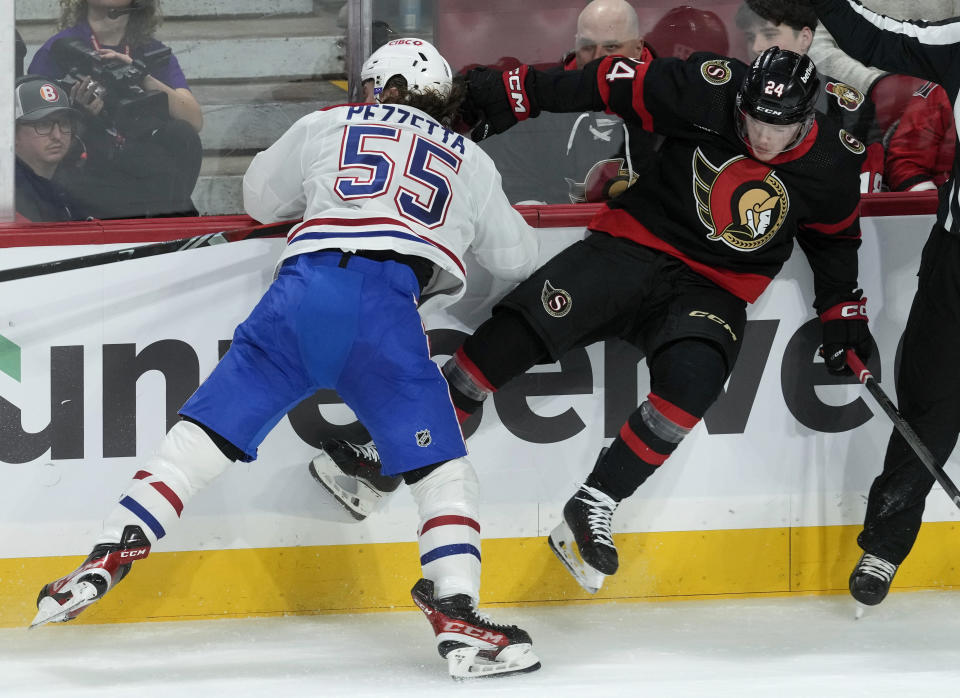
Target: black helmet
781,87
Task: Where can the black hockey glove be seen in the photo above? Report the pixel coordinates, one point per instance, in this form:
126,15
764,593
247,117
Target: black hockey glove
845,327
490,107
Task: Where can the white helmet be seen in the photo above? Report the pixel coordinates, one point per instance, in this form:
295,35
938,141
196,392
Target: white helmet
418,61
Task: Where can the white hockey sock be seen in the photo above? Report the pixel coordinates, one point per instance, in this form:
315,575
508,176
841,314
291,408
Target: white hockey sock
449,536
185,462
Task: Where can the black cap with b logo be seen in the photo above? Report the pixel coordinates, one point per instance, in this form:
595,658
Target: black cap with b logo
36,98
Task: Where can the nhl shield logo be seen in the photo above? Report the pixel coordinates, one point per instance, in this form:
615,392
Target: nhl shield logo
423,438
556,301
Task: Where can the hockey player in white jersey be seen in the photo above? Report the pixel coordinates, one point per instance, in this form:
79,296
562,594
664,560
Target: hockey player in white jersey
391,199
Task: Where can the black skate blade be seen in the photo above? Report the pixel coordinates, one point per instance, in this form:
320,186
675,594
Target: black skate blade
338,496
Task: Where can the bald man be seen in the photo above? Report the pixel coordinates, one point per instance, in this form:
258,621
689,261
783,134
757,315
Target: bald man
607,28
552,160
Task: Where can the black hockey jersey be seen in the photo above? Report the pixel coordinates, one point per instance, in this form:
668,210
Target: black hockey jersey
728,216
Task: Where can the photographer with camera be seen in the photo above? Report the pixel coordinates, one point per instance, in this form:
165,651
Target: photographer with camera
138,151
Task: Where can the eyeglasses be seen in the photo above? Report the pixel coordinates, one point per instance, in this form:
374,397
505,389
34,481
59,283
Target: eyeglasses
44,127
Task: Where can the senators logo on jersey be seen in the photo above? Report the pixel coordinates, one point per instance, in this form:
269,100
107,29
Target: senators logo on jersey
742,202
716,72
851,143
556,301
847,97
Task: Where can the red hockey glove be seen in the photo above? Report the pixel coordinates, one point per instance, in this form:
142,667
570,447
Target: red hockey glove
845,327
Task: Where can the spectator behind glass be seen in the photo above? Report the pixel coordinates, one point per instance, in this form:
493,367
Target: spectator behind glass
572,158
890,93
685,30
830,59
920,152
790,25
21,52
45,123
129,167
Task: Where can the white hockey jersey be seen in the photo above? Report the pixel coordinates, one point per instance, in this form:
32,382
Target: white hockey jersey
389,177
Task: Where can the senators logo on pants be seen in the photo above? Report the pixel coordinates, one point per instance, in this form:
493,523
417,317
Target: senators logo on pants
556,301
741,203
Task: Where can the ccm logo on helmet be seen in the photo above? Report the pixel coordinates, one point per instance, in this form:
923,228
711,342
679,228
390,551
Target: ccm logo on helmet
405,42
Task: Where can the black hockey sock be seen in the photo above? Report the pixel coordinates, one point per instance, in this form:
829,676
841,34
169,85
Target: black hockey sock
686,377
620,472
463,403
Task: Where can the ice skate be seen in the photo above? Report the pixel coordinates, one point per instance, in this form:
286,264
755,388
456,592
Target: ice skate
351,473
472,644
103,569
870,581
583,541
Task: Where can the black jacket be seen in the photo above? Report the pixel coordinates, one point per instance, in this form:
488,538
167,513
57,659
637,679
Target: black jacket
40,199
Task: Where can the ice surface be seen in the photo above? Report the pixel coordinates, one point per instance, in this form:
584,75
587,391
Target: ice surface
772,647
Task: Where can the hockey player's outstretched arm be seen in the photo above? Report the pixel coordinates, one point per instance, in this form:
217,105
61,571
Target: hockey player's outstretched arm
498,100
668,96
924,50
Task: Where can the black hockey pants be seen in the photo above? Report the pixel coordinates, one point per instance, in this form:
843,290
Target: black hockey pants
928,392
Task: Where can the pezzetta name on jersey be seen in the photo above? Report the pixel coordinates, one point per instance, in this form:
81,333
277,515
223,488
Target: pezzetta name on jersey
177,362
391,113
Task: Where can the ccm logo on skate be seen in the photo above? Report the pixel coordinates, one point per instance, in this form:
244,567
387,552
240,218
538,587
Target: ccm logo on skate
515,85
464,629
131,554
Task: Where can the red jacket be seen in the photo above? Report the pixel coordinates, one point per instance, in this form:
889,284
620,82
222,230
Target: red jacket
921,148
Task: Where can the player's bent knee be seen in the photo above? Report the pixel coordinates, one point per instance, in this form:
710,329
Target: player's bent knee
452,485
689,373
189,457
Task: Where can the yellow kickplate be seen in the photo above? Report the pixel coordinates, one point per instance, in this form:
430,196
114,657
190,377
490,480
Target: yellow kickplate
378,577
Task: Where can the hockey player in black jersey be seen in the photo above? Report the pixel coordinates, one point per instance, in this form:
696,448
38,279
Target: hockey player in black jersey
672,263
791,25
928,384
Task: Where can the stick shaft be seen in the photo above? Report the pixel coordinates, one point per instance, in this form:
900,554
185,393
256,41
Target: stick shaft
147,250
906,431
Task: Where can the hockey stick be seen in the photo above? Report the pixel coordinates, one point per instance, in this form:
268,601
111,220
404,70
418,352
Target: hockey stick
148,250
906,431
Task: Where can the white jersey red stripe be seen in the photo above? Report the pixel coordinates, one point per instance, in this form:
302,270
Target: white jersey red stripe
389,177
